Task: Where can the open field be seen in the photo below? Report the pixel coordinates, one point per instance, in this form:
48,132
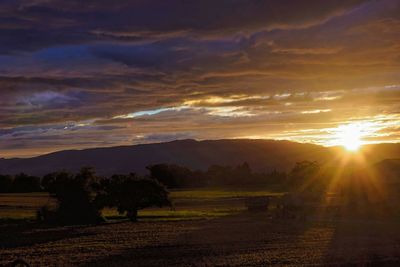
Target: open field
188,204
207,228
235,240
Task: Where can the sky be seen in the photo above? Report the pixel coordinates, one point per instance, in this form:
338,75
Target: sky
81,74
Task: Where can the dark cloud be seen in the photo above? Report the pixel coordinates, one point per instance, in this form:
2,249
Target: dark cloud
30,25
111,73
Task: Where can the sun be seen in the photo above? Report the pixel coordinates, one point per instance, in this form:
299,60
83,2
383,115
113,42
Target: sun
349,136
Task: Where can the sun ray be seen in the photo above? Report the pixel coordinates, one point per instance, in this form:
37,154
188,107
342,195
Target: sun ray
350,135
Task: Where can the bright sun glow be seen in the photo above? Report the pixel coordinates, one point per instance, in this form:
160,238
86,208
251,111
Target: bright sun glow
349,136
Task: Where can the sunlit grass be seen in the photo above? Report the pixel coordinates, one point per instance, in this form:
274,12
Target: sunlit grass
189,205
217,194
173,215
17,214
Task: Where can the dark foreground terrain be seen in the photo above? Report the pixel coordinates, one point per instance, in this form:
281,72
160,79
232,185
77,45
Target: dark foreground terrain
237,240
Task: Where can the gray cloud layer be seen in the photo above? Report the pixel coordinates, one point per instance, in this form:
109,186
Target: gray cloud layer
76,75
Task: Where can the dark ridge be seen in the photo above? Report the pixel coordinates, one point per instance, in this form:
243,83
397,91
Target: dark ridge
262,155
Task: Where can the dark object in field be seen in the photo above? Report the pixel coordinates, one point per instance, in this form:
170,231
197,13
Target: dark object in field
81,197
129,193
257,204
75,199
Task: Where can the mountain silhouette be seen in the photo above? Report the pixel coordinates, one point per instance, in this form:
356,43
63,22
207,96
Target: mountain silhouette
262,155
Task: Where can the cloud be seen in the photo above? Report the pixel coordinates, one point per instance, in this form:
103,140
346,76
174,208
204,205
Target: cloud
205,69
48,98
31,25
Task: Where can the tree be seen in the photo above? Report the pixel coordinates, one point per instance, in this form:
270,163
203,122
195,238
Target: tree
24,183
75,197
304,177
50,181
5,183
129,193
239,175
171,175
242,175
219,175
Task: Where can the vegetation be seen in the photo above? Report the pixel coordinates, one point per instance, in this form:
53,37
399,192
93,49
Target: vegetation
75,198
305,177
200,216
188,204
21,183
6,182
80,198
174,176
129,193
178,177
239,176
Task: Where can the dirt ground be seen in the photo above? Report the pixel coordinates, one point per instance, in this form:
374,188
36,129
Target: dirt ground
244,239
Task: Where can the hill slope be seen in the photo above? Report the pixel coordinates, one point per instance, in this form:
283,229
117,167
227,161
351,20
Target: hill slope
260,154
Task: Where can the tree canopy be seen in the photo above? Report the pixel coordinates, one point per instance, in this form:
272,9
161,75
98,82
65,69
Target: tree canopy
130,193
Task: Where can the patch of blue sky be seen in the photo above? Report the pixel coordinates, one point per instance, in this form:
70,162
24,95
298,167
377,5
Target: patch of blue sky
143,113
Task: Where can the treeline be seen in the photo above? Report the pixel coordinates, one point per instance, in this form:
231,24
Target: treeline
175,176
81,197
20,183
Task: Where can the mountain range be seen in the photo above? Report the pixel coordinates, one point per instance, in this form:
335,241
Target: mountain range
261,155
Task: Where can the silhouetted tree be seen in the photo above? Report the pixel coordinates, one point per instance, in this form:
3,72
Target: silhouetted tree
51,180
5,183
23,183
219,175
129,193
171,175
240,175
276,177
304,177
75,197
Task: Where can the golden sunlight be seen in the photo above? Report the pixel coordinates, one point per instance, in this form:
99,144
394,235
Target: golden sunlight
349,136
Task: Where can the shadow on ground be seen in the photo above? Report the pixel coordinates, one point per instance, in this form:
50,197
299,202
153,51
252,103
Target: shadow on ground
245,239
238,240
29,233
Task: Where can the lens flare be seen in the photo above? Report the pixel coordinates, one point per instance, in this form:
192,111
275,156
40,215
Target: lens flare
350,136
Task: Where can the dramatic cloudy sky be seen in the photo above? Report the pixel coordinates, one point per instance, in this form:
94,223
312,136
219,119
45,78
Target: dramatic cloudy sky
107,73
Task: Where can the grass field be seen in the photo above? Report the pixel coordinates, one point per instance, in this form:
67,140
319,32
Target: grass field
206,228
188,204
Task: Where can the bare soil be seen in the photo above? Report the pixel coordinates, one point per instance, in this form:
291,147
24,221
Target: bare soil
244,239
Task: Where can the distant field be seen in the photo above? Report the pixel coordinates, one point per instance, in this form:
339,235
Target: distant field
217,194
206,228
21,206
188,204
